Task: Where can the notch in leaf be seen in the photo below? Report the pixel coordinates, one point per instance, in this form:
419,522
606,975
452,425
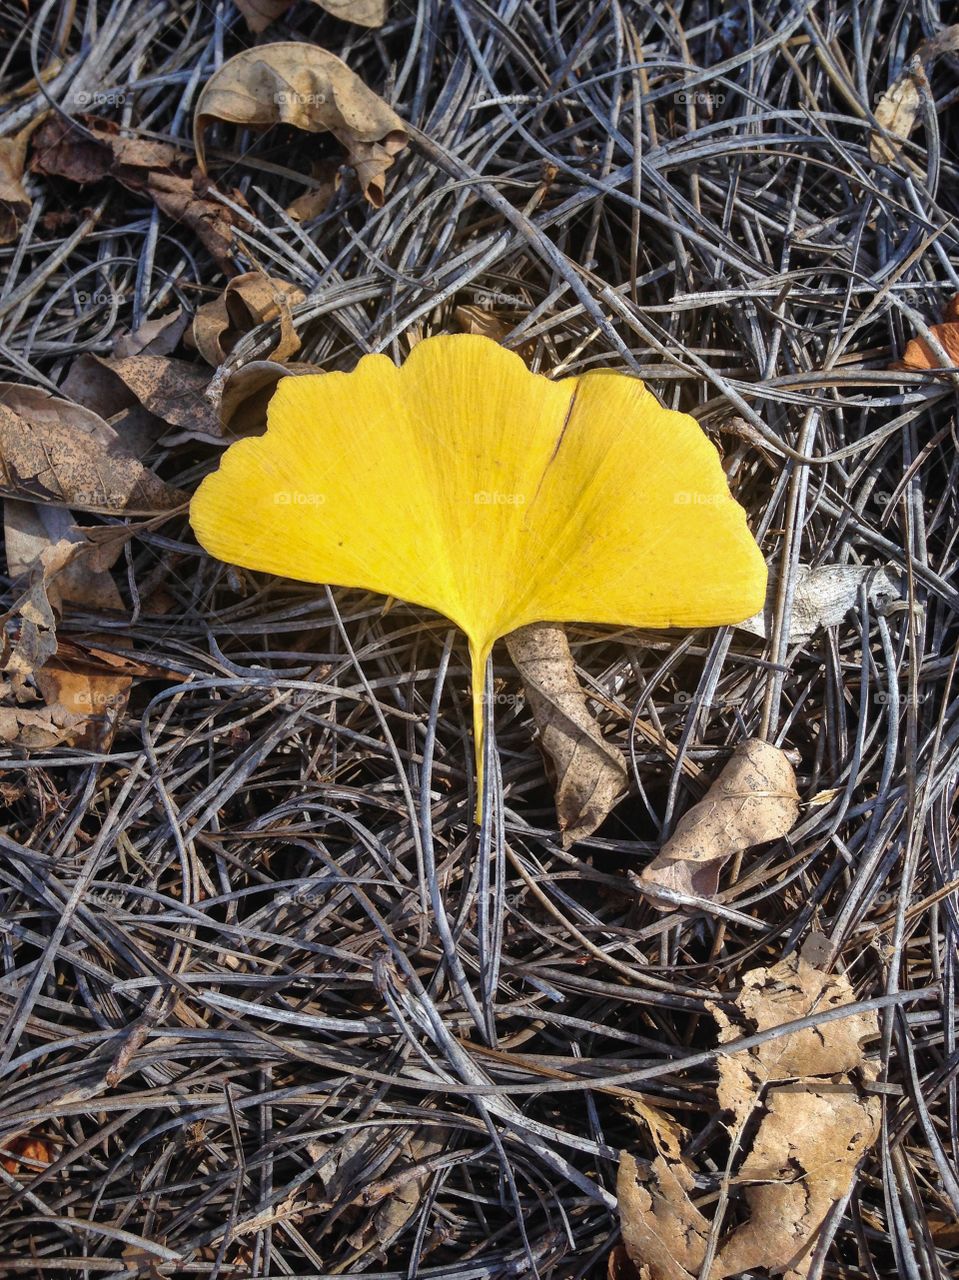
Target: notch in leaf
462,482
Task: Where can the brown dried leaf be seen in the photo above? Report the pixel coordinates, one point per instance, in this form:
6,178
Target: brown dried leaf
664,1233
920,356
365,13
753,800
15,203
171,391
57,451
589,775
299,84
802,1162
247,301
248,391
811,1138
152,169
158,337
787,991
898,107
39,730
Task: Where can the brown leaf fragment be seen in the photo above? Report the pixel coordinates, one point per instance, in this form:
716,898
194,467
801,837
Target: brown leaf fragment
588,773
664,1233
803,1160
152,169
293,83
39,730
247,301
898,107
97,697
786,992
158,337
753,800
920,356
53,450
365,13
313,201
248,391
15,203
171,391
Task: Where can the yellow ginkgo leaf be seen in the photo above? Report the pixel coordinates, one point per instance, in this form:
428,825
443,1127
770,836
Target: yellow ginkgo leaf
462,482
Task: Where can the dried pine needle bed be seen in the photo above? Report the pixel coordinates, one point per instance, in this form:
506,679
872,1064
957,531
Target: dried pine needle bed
235,1035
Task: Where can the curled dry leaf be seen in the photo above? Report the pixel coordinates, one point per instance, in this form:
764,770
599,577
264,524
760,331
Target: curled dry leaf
247,301
53,450
299,84
365,13
824,596
812,1135
153,169
898,107
588,774
248,391
21,1155
753,800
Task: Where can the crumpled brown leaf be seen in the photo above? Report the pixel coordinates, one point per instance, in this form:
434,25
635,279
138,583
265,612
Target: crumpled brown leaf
753,800
14,201
247,301
365,13
57,451
589,775
152,169
84,700
898,107
247,392
823,596
812,1135
302,85
172,392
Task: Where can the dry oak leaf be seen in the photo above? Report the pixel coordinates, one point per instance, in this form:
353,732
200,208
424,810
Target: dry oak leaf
753,800
247,301
157,337
803,1161
365,13
55,451
302,85
154,169
588,773
919,355
786,992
